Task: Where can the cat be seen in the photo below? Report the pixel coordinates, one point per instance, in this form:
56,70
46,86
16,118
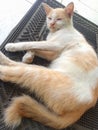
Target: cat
68,86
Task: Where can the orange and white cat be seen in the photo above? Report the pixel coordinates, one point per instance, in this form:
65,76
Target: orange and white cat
68,86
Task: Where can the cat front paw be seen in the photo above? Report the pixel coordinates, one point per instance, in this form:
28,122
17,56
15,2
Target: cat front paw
28,57
10,47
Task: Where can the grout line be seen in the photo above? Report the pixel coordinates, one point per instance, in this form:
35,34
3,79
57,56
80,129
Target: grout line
29,1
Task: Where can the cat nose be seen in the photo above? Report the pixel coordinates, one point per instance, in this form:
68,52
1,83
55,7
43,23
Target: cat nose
52,24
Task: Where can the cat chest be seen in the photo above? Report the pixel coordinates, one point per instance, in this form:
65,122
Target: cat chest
60,35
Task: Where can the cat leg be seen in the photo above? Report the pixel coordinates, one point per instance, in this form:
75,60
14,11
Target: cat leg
39,45
48,55
48,50
28,57
31,76
25,106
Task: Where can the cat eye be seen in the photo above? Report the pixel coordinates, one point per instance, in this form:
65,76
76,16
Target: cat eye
59,19
49,18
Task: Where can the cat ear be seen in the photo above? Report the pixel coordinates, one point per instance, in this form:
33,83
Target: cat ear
69,9
47,8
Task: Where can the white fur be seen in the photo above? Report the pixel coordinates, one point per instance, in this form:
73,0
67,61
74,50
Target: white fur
84,85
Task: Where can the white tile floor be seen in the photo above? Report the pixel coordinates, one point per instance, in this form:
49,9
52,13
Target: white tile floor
11,12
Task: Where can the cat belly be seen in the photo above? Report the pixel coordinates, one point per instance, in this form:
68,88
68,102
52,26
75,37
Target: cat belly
84,82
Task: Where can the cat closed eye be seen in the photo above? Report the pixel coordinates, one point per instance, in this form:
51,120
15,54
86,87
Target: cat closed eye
59,19
49,18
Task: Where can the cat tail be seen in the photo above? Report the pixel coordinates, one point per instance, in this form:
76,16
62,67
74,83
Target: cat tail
25,106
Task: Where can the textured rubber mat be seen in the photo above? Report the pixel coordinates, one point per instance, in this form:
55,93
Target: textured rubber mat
32,27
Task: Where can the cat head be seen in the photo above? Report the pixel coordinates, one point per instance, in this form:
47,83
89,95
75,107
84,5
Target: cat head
60,17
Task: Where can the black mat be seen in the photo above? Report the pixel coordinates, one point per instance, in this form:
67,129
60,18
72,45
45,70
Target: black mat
33,28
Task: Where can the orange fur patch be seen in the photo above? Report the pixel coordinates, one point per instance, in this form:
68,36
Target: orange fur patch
86,61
